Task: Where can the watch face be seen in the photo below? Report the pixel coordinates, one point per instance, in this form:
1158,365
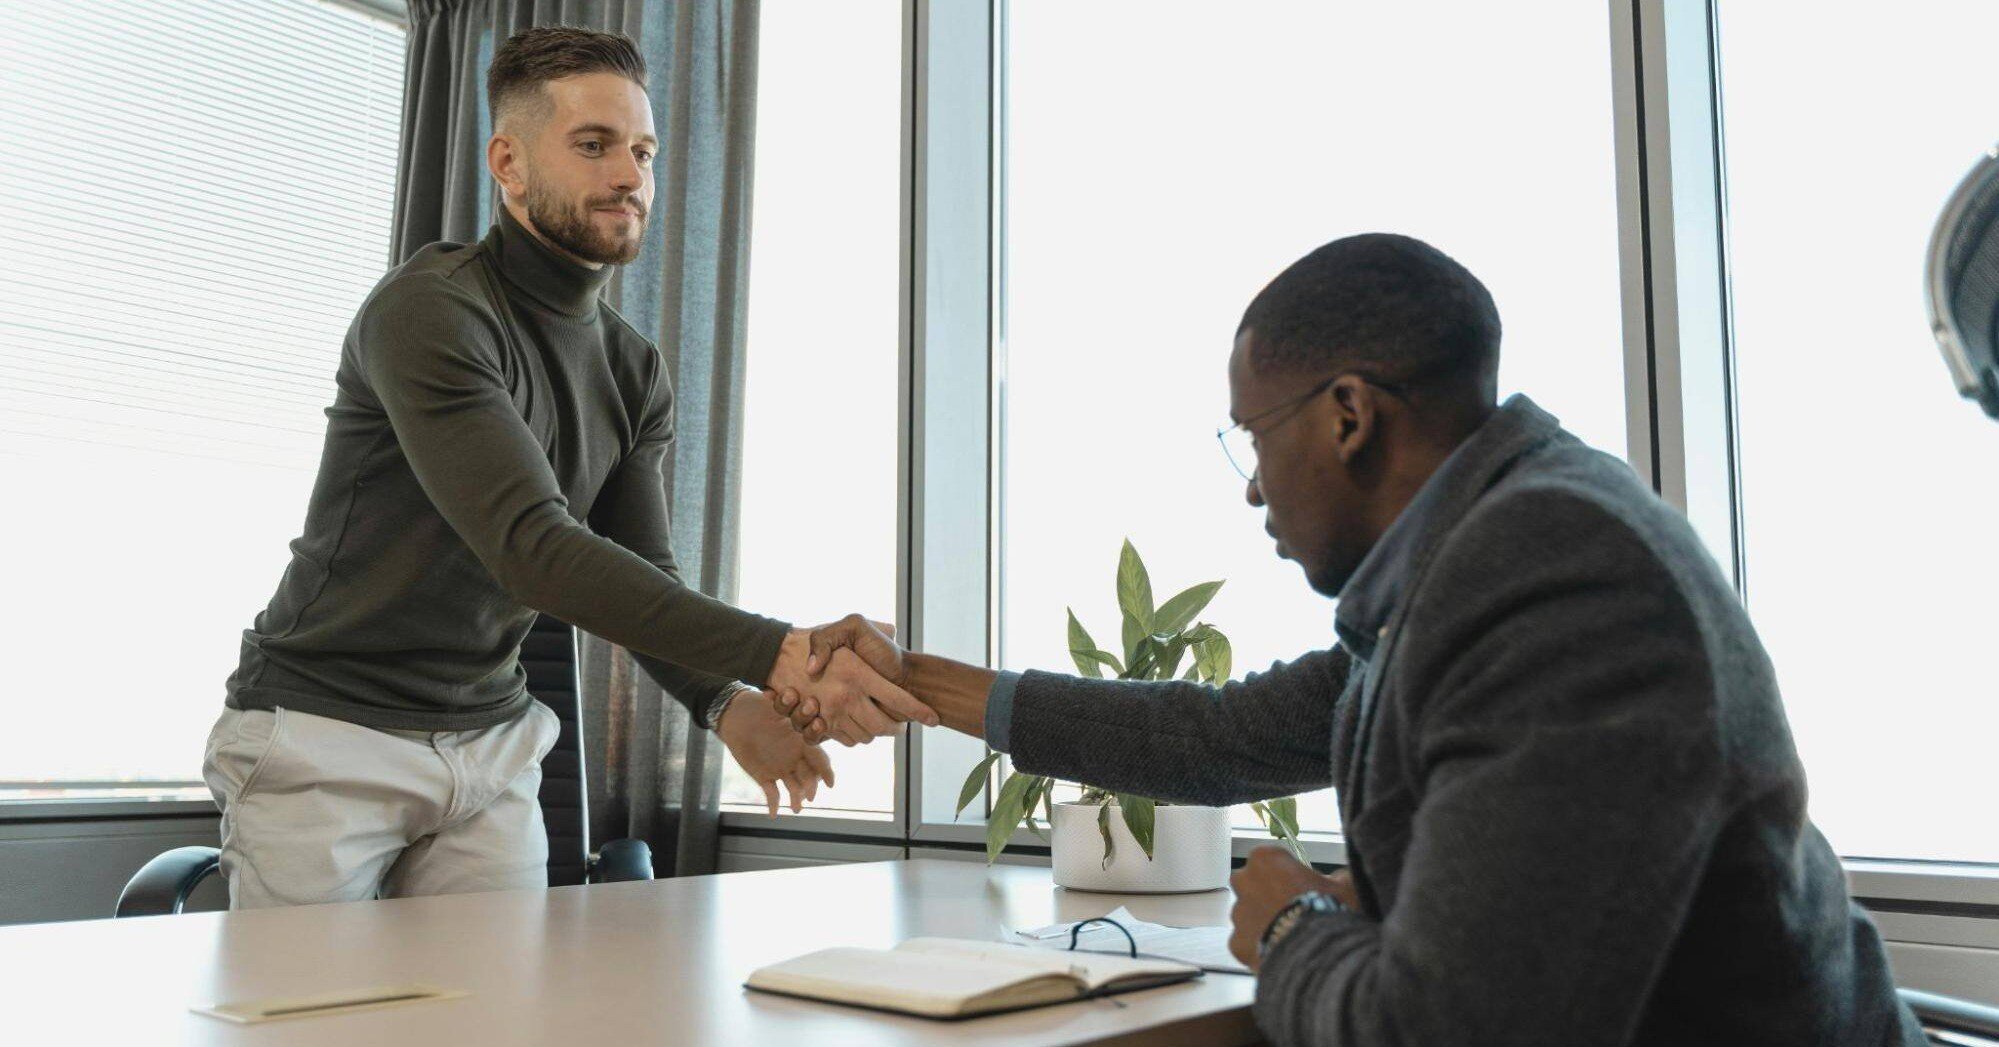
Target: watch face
1288,917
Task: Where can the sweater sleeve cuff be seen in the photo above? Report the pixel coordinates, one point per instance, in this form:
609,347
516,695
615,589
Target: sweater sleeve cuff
765,653
1302,975
999,711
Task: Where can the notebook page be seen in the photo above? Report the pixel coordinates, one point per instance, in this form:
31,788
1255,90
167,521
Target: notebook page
1094,970
908,980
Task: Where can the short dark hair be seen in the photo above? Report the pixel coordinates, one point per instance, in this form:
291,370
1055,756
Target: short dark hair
1387,307
533,57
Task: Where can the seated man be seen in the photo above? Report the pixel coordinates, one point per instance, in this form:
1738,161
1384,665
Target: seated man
1572,806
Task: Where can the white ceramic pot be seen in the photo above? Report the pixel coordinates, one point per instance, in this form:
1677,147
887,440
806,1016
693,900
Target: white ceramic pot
1190,851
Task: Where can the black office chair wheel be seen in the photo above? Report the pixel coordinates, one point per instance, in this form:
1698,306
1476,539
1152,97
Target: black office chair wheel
162,887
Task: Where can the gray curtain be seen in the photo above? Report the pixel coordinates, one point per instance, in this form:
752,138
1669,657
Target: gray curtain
442,189
653,774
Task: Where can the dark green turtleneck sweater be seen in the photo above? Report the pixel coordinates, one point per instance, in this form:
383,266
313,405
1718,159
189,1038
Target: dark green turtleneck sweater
494,449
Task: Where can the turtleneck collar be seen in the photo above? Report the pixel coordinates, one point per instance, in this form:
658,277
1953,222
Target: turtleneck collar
547,277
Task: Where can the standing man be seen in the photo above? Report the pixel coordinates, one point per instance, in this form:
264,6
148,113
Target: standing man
1572,808
494,450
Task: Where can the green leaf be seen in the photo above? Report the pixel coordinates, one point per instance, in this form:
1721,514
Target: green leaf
975,783
1104,829
1204,664
1138,817
1169,659
1221,657
1039,789
1048,802
1133,635
1079,637
1174,614
1091,663
1202,633
1134,588
1211,653
1033,795
1284,812
1283,824
1193,671
1008,810
1145,653
1085,653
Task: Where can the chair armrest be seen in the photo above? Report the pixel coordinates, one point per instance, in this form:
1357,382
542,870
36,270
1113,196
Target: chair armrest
162,885
621,861
1953,1015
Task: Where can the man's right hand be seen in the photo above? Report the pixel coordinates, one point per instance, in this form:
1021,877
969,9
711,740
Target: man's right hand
849,638
853,702
953,693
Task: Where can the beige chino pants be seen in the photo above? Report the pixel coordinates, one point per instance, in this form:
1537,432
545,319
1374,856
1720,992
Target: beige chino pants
321,810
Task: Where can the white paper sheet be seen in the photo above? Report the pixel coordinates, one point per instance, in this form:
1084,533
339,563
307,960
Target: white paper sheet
1204,947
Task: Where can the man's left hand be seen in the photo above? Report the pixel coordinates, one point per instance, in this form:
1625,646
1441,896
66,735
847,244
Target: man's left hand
1269,880
766,747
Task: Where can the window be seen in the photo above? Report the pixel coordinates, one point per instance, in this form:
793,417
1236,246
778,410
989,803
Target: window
193,195
1868,487
819,528
1160,170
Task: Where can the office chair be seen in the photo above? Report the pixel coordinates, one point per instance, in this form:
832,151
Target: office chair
548,654
1958,1023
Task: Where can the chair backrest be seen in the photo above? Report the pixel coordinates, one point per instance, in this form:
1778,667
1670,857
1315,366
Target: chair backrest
549,656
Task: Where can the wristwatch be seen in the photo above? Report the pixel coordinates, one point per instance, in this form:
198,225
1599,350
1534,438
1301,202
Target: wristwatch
711,717
1289,917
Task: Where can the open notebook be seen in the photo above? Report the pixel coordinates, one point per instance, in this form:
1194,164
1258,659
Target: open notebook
955,978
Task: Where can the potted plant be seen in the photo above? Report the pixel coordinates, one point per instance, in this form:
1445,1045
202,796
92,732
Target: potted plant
1111,841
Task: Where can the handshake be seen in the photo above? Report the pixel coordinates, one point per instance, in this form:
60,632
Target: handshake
844,681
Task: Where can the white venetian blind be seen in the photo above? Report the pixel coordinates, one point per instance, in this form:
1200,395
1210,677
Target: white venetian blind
194,197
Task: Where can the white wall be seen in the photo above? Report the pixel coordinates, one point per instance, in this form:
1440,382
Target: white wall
73,870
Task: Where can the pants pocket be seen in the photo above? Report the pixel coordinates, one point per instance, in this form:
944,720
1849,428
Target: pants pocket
551,732
235,765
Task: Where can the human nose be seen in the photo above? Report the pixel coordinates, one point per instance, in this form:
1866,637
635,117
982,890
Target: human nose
1254,494
627,176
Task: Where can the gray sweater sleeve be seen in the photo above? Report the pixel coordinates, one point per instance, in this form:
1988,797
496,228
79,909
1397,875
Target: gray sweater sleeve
431,354
632,511
1264,736
1561,713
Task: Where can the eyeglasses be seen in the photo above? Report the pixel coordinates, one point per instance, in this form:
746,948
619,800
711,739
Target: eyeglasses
1239,440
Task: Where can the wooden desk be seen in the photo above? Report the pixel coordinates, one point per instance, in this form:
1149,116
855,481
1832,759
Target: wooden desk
628,963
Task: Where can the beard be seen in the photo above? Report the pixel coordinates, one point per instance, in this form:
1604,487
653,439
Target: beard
573,226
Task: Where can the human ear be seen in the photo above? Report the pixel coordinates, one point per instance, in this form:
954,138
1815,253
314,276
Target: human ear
503,154
1354,418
